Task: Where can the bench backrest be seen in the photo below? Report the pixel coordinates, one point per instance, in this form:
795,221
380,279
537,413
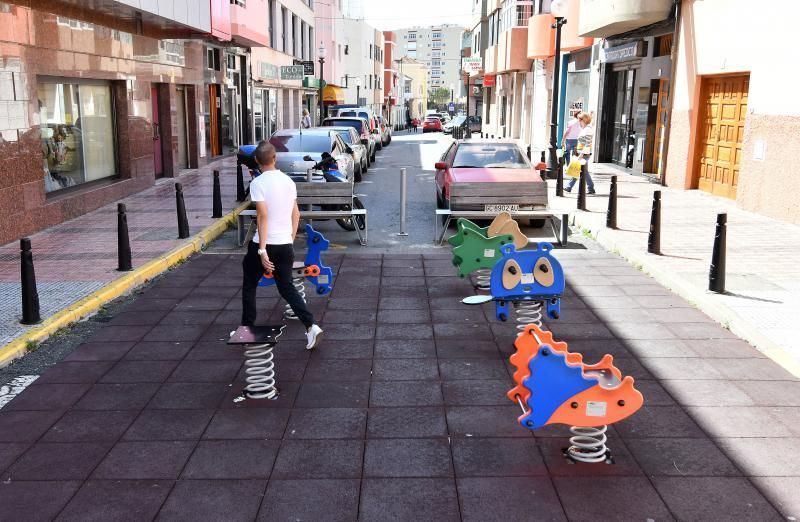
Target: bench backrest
324,193
498,193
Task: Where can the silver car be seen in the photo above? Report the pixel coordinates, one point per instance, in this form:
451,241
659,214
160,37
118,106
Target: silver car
362,127
292,145
351,137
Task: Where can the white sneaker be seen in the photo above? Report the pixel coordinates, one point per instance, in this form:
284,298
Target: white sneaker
314,335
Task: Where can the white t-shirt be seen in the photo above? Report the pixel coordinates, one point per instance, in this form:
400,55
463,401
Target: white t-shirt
279,193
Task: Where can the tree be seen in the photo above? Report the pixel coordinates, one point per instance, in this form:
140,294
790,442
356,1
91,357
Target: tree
440,95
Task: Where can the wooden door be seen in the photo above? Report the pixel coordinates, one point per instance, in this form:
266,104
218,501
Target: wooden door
662,106
214,112
158,162
180,116
721,130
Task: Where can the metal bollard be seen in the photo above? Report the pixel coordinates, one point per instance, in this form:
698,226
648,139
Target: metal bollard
240,193
123,240
560,178
654,237
30,296
481,135
403,201
716,274
217,204
183,222
582,187
529,152
564,229
611,214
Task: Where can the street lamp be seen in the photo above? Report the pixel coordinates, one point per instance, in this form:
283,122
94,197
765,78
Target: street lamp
321,56
558,8
358,90
452,92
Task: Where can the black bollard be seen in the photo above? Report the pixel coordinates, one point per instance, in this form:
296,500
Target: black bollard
217,208
611,214
716,274
183,222
240,194
654,237
30,296
582,186
123,240
529,152
560,178
564,229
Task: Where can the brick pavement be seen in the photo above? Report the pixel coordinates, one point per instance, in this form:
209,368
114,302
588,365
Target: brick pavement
77,257
401,414
762,302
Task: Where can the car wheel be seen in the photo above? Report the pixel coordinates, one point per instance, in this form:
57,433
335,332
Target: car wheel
357,174
379,145
372,158
364,165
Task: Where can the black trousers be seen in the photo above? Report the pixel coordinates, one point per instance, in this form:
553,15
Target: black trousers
282,256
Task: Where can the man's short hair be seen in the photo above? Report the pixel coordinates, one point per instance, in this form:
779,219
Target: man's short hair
265,153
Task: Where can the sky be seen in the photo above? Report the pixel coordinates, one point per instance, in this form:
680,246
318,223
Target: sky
396,14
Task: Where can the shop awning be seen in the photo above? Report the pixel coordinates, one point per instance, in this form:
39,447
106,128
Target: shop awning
333,95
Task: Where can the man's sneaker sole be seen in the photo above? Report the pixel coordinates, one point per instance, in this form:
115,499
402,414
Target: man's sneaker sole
317,340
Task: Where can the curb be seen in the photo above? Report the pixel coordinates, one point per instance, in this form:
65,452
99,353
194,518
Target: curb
699,298
119,286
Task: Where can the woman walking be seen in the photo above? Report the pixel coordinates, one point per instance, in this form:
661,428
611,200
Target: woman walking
583,151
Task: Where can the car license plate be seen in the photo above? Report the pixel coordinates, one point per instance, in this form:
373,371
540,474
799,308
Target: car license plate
501,208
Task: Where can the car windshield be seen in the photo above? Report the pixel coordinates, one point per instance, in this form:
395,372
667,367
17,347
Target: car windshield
346,136
356,124
490,155
301,143
458,120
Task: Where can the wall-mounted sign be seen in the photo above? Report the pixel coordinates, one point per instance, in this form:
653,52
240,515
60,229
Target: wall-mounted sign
268,71
621,53
489,80
292,72
308,67
472,65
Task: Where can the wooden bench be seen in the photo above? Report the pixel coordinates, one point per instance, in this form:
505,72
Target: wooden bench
469,200
310,195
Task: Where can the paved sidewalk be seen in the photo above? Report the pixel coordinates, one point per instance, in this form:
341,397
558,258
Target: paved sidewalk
762,302
78,257
401,414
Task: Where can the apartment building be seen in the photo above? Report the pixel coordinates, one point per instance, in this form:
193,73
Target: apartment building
438,48
364,62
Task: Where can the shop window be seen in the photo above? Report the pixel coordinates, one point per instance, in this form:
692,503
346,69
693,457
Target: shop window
77,131
212,59
663,45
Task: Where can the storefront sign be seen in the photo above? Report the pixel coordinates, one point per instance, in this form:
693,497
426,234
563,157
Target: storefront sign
308,67
621,53
472,65
292,72
489,80
268,71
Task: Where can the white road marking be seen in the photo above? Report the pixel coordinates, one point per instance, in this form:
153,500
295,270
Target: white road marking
15,387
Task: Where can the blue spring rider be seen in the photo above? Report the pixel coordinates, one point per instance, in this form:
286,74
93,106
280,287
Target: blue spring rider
311,269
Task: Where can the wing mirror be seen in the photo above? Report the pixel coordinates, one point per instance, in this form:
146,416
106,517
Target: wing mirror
440,165
307,158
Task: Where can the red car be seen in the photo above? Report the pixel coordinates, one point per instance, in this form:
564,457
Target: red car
485,161
432,125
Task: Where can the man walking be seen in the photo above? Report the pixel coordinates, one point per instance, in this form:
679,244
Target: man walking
271,250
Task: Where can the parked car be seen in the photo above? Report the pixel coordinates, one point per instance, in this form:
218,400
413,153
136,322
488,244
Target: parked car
475,123
432,124
292,145
351,137
456,122
484,161
367,114
361,126
386,130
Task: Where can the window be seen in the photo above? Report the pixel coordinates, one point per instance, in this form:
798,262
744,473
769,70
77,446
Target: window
412,36
272,23
515,13
77,131
411,46
437,45
284,32
436,35
303,46
503,107
295,47
212,59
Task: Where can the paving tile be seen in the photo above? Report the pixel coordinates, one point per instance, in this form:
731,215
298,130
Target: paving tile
411,331
211,304
353,303
558,464
319,459
612,498
99,352
679,315
660,348
458,349
145,303
406,422
340,370
255,424
603,302
646,330
103,500
189,396
327,423
495,457
37,500
681,368
655,301
782,491
407,458
706,393
47,397
188,318
117,396
361,349
771,393
420,315
285,370
408,499
751,369
159,351
446,303
403,303
471,331
168,292
476,393
139,371
655,394
409,291
763,457
681,457
460,369
572,332
169,425
714,498
349,332
725,349
287,395
145,460
140,318
58,461
115,334
90,426
686,330
214,351
173,333
9,452
229,459
744,421
405,370
229,500
659,421
508,498
331,394
347,316
333,500
206,371
405,393
397,349
485,421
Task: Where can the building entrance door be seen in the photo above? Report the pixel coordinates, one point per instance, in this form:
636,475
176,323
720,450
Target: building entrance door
624,139
720,131
182,124
215,111
158,160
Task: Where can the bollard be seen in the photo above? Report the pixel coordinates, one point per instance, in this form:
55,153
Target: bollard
582,187
240,193
403,201
30,296
481,135
716,274
123,240
217,205
560,178
183,222
492,136
654,237
564,229
611,214
529,152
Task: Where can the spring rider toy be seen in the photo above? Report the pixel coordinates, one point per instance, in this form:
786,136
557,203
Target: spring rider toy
555,386
476,249
311,269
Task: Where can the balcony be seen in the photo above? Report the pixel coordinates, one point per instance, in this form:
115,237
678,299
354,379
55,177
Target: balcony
601,18
541,39
249,23
490,61
511,55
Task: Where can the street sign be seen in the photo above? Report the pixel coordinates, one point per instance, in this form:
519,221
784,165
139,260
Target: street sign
292,72
308,66
451,107
489,80
472,65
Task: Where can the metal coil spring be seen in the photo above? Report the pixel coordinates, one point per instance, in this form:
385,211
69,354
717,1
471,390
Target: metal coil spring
589,445
528,312
483,279
300,285
260,370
